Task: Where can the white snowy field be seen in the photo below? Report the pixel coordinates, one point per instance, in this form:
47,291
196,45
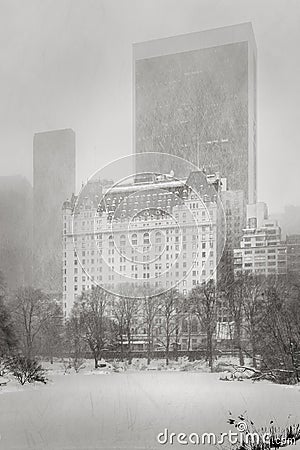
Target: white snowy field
127,410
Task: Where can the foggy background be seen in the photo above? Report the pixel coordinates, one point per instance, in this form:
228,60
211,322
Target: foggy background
68,64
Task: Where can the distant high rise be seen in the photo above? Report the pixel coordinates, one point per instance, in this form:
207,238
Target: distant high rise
289,220
195,97
15,231
53,183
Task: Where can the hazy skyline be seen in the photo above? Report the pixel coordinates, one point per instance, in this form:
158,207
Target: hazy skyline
68,64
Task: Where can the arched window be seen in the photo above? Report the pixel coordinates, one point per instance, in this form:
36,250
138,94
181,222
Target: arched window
134,239
158,237
122,240
146,239
110,240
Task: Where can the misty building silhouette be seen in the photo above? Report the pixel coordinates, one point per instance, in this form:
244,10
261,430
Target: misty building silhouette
195,97
15,231
53,183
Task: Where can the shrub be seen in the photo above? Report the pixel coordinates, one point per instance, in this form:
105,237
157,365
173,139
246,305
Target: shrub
73,363
78,364
3,367
26,370
278,437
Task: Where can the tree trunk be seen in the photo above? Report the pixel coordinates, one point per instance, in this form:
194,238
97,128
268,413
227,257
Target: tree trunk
239,345
149,346
96,358
176,344
29,346
210,350
167,351
254,362
129,346
122,346
189,342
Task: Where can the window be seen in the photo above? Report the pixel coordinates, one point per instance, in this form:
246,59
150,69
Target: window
194,326
184,326
146,239
134,239
157,237
122,240
110,241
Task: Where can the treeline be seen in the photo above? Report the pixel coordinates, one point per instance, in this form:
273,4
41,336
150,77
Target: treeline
256,316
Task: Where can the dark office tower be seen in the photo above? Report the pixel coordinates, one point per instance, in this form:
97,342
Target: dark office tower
195,97
235,212
53,183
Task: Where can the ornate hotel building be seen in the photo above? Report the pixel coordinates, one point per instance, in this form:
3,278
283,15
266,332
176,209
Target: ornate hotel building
155,231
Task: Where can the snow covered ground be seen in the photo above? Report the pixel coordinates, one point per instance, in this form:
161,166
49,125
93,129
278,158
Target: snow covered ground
127,410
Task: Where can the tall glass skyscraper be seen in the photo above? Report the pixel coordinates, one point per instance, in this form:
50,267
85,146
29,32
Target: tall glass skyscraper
195,97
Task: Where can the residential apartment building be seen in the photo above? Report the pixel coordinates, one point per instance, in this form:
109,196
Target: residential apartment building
293,253
261,250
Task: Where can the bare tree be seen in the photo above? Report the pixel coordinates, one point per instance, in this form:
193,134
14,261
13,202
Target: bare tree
253,287
95,327
118,314
170,311
150,305
31,310
234,294
52,332
126,309
74,342
280,334
204,298
7,333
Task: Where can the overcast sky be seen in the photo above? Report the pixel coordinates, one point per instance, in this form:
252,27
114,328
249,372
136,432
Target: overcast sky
68,64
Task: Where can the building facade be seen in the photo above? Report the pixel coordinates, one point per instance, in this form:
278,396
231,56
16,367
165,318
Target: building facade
195,98
155,233
261,250
293,254
53,183
235,213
